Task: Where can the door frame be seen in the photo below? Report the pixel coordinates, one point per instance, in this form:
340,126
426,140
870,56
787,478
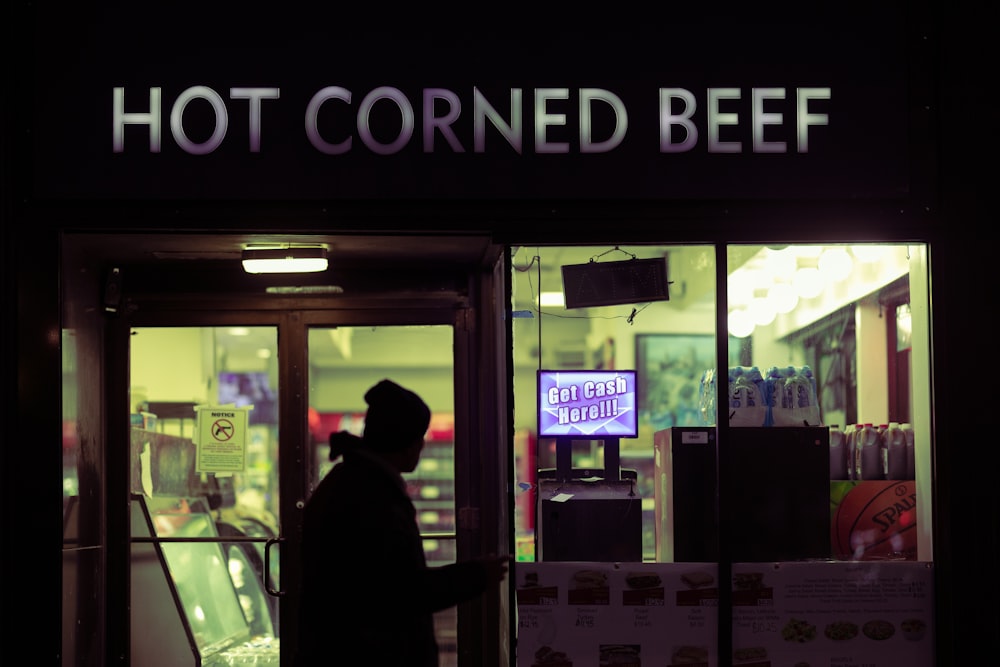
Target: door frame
293,317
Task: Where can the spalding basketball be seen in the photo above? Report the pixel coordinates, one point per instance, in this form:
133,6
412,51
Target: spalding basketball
876,520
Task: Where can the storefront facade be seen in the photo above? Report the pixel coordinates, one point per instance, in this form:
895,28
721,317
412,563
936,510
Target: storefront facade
438,168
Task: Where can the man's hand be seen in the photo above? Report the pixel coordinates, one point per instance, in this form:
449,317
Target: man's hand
496,567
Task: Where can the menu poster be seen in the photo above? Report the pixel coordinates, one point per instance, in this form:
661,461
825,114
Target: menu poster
585,614
833,614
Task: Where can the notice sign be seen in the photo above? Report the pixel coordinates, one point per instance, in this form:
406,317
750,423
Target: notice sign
221,438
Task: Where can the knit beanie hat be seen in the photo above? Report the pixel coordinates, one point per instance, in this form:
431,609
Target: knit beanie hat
396,417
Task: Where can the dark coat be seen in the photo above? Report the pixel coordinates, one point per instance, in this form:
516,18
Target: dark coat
368,597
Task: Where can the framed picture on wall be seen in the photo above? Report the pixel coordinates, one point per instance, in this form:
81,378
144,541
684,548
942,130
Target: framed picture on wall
671,367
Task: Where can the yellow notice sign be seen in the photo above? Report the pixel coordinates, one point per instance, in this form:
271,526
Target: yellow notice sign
221,438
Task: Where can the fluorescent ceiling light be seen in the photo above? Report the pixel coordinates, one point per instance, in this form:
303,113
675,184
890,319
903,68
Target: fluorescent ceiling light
551,299
305,259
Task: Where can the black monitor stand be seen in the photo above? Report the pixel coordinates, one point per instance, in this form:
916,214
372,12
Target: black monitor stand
564,459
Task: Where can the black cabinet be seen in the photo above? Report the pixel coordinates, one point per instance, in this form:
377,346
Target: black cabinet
758,495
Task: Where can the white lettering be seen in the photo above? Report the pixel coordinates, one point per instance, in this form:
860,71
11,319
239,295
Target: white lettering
760,119
482,111
675,116
543,119
119,119
723,122
312,120
406,116
441,123
559,395
587,97
804,118
668,119
716,119
177,120
255,95
593,390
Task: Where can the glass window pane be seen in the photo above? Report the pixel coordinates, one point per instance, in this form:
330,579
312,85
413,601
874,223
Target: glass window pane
835,338
344,362
828,474
224,482
669,342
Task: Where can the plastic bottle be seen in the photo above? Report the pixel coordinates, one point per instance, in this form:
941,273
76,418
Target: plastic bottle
747,396
895,445
776,383
735,372
707,397
807,373
763,394
788,388
851,440
869,454
883,449
838,453
911,472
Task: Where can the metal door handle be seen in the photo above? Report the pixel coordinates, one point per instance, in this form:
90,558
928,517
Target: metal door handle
271,590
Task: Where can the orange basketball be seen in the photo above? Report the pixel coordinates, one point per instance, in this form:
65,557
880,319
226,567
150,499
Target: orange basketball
876,520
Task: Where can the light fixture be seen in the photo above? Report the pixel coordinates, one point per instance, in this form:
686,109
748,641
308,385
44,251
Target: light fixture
740,323
808,282
835,264
783,297
552,299
761,311
284,259
869,253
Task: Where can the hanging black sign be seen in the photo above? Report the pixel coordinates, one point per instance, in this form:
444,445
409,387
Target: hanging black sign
611,283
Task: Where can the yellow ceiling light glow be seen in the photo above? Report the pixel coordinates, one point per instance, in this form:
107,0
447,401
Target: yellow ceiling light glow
285,259
551,299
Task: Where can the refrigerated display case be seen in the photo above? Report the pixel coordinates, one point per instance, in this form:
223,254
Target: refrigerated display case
197,563
195,598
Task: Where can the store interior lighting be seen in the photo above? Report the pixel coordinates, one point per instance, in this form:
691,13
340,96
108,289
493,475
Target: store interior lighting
776,281
552,300
285,259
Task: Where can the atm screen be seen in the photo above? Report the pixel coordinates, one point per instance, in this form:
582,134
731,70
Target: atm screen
587,404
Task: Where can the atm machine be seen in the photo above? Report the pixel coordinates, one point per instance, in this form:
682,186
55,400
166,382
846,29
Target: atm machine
586,514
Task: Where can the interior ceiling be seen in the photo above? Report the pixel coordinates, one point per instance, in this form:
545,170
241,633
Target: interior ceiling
352,250
173,262
184,265
362,265
347,250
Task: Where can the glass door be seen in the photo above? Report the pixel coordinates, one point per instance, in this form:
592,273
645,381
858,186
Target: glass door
190,332
204,495
344,362
216,500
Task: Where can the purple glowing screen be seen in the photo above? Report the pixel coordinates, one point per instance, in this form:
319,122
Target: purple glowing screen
587,404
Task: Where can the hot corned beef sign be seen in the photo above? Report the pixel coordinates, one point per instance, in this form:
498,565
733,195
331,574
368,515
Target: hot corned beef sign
438,109
731,112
